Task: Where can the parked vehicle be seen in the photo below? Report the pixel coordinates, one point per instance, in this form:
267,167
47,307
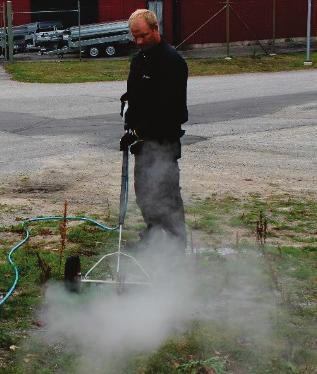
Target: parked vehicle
19,34
23,35
98,39
45,41
2,41
95,40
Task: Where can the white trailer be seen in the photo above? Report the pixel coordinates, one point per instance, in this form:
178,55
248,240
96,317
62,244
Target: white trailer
98,39
27,37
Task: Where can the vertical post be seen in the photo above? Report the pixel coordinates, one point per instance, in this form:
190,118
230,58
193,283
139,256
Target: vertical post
273,26
308,37
4,31
228,29
10,31
79,31
2,34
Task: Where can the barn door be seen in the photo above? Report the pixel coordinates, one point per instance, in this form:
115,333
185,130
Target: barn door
157,8
63,10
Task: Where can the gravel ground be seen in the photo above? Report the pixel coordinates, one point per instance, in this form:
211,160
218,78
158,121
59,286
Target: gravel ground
272,152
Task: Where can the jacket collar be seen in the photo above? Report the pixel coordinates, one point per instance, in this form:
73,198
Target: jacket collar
153,51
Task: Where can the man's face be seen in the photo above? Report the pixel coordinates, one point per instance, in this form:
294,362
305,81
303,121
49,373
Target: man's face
143,35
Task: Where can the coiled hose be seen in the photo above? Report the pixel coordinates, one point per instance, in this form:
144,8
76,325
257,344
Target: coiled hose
122,213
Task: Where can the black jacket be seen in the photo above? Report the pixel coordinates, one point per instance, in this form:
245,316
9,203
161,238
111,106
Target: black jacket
156,91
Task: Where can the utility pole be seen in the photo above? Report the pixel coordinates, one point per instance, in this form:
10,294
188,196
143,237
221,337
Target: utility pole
273,27
308,37
228,29
10,31
79,31
4,31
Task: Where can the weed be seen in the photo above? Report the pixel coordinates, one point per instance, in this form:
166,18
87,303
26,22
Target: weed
199,366
261,229
63,234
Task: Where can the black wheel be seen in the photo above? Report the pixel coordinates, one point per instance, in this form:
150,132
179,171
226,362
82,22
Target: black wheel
72,274
94,52
110,50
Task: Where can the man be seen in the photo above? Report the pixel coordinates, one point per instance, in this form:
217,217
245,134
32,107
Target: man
156,96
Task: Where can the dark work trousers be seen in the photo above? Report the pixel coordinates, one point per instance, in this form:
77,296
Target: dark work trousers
156,183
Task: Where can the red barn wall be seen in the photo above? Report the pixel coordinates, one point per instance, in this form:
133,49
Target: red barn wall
314,19
249,20
291,18
20,6
194,14
168,20
111,10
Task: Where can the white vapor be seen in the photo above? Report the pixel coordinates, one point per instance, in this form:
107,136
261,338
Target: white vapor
233,291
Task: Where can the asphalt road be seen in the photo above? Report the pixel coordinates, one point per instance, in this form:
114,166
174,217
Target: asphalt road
41,121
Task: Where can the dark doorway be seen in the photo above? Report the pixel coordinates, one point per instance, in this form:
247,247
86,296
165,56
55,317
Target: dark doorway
89,11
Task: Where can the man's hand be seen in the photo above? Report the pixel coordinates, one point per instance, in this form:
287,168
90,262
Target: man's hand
124,102
127,139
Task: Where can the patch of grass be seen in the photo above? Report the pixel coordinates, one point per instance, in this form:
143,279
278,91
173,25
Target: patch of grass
41,358
191,353
113,70
208,222
288,266
248,64
69,71
208,215
6,339
291,261
290,220
304,273
182,354
88,236
18,313
301,239
192,366
17,229
44,228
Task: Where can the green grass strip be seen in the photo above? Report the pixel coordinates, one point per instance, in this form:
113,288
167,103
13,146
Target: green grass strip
117,70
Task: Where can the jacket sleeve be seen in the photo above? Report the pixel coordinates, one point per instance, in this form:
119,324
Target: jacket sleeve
132,117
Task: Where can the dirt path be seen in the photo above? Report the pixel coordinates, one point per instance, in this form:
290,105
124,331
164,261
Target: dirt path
262,163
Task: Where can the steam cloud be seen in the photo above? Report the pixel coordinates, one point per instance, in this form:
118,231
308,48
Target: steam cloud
235,291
